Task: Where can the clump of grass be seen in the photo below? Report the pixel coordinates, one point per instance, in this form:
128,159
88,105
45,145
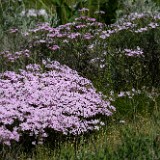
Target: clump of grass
121,141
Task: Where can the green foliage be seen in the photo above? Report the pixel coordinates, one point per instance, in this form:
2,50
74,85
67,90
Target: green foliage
62,10
133,133
138,140
138,71
110,7
137,146
124,137
130,6
11,17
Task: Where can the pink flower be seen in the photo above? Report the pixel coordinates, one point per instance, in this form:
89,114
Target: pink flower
57,99
54,47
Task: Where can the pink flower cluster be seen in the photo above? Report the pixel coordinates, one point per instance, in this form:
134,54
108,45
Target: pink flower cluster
12,57
79,29
86,28
32,101
132,53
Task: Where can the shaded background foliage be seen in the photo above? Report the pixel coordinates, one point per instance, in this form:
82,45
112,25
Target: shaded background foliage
63,11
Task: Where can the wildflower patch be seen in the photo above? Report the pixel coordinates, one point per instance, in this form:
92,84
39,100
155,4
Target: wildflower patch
58,98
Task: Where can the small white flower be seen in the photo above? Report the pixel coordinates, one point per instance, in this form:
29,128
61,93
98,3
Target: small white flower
91,46
121,94
42,12
122,121
32,13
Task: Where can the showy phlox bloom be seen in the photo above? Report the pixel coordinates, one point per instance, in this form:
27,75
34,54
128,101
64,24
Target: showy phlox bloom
13,56
32,101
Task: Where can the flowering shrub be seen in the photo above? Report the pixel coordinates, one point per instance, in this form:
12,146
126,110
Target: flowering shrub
137,38
102,52
113,54
13,60
95,49
32,101
78,38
